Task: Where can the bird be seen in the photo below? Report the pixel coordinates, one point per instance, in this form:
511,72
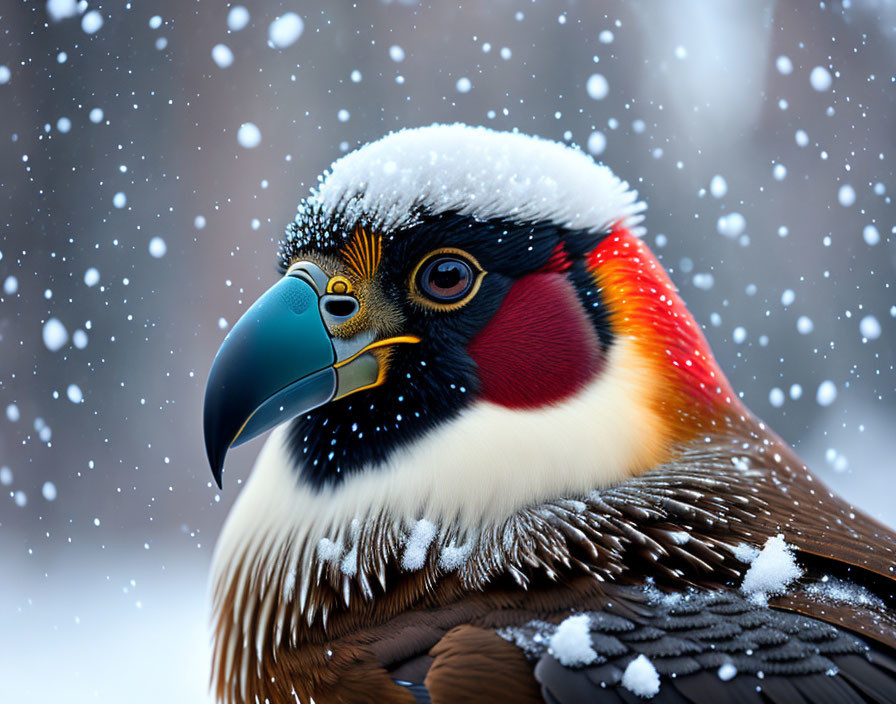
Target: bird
503,464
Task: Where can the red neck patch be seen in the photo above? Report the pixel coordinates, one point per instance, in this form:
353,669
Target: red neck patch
539,348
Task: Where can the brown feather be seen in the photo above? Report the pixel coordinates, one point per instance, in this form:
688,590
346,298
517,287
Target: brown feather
677,524
473,664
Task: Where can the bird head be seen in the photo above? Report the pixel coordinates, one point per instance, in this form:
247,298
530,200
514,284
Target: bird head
475,303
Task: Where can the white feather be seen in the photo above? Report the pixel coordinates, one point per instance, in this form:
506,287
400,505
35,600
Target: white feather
466,479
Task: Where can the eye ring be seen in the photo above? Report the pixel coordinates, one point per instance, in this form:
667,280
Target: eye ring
446,279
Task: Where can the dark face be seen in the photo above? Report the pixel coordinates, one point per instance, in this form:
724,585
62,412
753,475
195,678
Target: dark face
429,321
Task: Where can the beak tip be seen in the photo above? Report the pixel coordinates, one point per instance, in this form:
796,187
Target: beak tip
216,462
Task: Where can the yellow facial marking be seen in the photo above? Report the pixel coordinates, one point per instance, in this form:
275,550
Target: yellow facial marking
363,253
339,285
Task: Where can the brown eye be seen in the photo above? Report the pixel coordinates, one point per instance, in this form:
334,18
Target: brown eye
446,279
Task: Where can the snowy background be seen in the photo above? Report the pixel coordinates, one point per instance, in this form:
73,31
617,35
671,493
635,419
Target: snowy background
153,152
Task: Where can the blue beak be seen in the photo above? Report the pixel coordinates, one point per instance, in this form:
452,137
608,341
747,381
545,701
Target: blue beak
275,364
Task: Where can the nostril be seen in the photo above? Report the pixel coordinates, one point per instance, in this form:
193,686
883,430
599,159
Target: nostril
341,306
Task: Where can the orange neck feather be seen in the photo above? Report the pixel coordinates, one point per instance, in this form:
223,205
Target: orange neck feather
690,391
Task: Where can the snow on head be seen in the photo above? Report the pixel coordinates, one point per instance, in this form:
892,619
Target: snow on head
641,678
771,571
571,642
474,171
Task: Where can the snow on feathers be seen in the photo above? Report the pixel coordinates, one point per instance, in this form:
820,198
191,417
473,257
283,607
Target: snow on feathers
474,171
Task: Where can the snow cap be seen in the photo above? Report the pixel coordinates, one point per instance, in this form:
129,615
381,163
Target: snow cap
474,171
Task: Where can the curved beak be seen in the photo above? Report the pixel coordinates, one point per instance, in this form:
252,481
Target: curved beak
280,361
275,363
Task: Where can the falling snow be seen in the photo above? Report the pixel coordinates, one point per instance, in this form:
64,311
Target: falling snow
820,78
597,86
846,195
155,155
827,393
249,136
237,18
870,327
61,9
871,235
718,186
285,30
55,335
731,225
222,55
157,247
92,22
597,143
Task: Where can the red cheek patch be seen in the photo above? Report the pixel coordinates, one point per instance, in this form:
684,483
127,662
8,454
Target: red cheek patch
540,347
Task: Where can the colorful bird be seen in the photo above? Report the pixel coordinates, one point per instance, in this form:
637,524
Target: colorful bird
506,466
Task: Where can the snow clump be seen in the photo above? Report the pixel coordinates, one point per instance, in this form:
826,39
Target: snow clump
571,642
415,550
771,571
641,678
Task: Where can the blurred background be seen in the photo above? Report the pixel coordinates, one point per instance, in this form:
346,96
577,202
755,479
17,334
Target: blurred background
151,154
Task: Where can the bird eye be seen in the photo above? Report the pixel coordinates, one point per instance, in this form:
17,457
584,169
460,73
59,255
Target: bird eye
447,278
